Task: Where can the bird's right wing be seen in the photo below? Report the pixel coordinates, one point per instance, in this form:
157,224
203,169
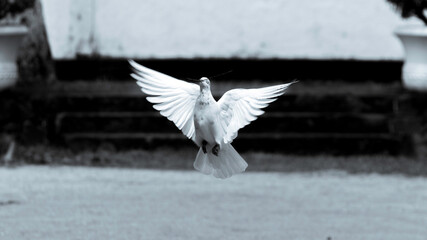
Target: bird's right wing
239,107
173,98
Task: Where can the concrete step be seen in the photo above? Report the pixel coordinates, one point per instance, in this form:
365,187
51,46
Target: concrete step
289,143
312,117
280,122
292,102
239,70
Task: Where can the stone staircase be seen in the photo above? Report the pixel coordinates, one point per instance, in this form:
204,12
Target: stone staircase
304,121
314,116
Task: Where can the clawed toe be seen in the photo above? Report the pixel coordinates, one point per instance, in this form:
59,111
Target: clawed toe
215,150
204,143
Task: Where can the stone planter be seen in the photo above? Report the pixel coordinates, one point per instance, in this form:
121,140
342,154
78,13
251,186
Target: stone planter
10,40
414,72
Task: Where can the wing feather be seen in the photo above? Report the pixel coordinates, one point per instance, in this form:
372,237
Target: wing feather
239,107
173,98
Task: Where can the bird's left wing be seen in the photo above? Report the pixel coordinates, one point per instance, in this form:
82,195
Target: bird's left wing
173,98
239,107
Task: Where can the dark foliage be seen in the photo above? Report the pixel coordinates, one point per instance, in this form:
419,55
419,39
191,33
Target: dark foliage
14,7
34,59
408,8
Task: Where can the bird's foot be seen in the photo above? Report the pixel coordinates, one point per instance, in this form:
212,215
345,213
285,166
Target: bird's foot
215,150
204,143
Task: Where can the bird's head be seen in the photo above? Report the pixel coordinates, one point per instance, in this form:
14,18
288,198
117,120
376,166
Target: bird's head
205,83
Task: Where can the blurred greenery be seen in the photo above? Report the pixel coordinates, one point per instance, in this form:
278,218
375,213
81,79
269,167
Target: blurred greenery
408,8
14,7
167,158
34,60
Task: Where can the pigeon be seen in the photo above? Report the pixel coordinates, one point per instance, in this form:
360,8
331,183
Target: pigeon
212,125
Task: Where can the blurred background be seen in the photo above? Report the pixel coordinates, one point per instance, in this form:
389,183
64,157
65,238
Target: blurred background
74,92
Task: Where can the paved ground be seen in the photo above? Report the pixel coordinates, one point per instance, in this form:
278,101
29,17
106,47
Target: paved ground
111,203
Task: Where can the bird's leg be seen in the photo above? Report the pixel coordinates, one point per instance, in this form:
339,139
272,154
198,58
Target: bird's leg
215,149
204,143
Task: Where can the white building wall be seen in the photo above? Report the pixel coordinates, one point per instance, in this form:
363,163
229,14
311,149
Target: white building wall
265,29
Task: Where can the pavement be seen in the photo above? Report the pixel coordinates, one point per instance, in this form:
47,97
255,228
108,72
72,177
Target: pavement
45,202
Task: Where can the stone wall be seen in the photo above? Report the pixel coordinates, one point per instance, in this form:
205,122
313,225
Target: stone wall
262,29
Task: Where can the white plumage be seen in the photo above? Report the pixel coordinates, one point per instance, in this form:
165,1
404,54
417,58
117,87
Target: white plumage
210,124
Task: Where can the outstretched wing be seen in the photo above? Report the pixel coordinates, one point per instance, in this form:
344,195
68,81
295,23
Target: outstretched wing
173,98
239,107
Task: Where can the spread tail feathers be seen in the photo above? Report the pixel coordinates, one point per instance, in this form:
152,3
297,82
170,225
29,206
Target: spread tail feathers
226,164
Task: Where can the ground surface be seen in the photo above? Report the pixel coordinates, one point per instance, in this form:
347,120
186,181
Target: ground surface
41,202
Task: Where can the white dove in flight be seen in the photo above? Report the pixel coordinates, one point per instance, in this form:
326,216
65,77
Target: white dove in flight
211,124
